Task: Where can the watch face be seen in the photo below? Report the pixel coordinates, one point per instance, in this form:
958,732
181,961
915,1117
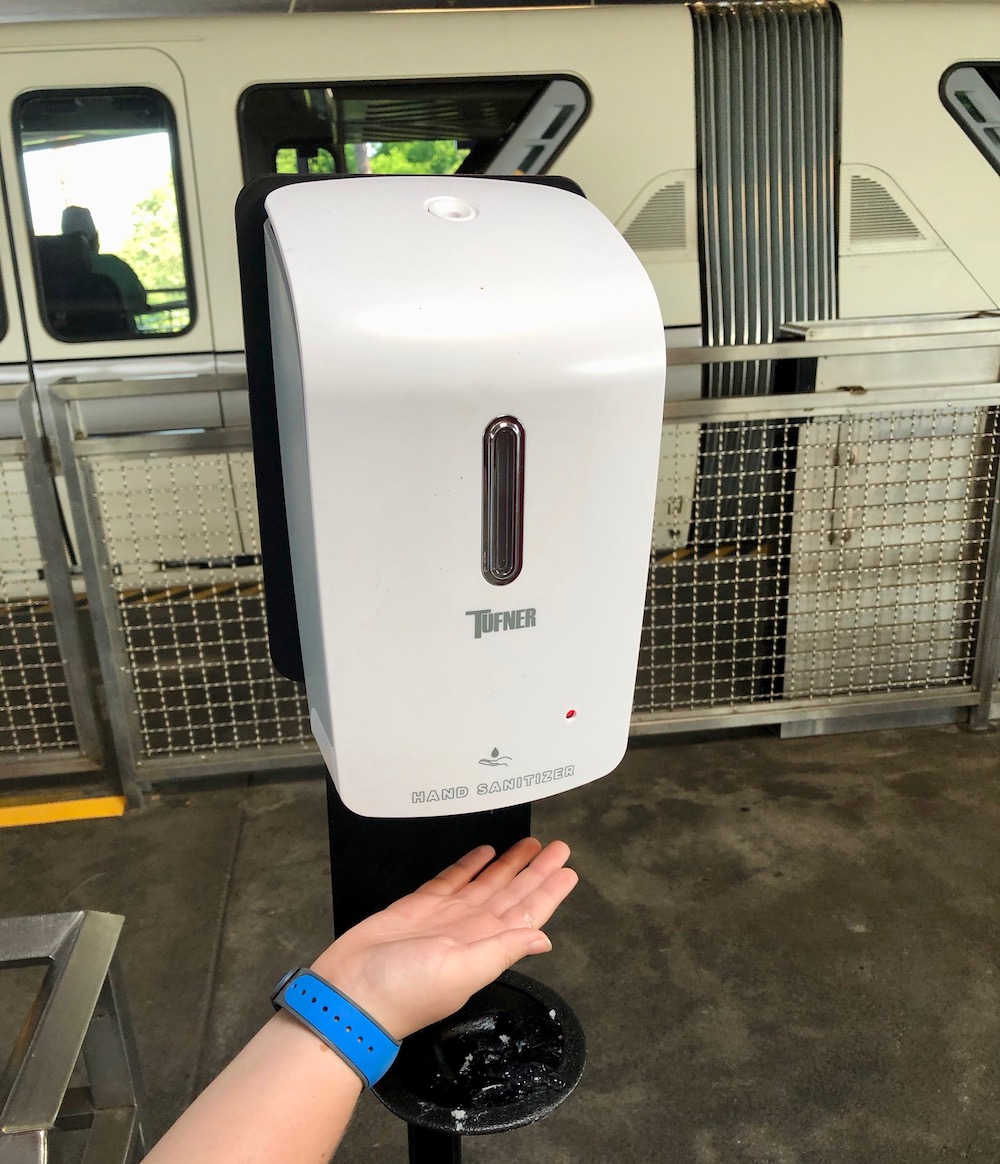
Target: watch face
282,983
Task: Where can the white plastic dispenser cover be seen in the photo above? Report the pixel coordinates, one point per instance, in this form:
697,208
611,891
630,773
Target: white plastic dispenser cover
470,378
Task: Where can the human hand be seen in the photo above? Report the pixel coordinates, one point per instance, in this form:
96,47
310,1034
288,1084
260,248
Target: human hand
421,959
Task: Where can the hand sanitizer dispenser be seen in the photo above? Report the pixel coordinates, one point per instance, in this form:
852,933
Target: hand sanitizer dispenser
469,377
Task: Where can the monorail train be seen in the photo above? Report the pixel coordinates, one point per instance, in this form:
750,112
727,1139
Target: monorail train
784,169
865,135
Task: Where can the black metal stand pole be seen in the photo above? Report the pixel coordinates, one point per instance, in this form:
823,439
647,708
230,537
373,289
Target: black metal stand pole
427,1147
375,860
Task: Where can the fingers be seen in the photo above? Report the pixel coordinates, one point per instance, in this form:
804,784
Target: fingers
551,858
536,907
461,873
502,872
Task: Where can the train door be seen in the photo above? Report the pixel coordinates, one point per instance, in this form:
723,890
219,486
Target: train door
106,234
13,356
96,147
106,238
48,718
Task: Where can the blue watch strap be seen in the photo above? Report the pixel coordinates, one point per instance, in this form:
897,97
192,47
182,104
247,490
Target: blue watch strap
352,1033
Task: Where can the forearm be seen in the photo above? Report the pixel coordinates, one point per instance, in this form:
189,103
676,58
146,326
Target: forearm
287,1096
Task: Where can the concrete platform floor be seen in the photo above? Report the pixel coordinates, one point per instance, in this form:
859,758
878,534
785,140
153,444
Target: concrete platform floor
781,951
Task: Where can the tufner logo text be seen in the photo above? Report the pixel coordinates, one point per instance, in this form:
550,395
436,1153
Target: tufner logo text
488,621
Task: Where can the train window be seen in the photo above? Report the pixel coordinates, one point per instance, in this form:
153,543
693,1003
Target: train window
971,93
484,125
99,174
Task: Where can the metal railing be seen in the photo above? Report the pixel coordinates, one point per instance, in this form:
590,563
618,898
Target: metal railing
48,721
79,1016
871,586
863,580
167,531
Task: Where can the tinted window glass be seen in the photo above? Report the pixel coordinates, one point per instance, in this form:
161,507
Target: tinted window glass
100,179
480,125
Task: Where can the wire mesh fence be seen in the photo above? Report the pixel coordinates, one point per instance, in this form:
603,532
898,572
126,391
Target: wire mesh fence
36,715
180,536
837,553
859,564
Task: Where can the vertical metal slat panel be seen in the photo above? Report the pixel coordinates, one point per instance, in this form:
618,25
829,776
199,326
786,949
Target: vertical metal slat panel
767,104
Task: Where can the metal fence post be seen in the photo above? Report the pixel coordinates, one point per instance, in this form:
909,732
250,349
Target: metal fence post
41,490
167,529
986,670
109,632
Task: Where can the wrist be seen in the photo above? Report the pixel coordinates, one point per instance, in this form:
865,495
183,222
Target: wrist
341,1022
335,967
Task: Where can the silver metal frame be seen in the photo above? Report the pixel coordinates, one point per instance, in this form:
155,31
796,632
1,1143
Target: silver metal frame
981,695
41,490
76,448
80,1010
122,710
961,336
987,666
826,708
87,756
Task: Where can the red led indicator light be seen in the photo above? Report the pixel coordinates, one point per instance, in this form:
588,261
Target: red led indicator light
570,714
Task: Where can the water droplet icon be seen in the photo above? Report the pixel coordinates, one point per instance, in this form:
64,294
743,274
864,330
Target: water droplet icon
495,753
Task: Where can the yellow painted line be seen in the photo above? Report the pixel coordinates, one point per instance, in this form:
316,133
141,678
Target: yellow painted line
674,555
759,550
217,590
61,810
722,552
152,596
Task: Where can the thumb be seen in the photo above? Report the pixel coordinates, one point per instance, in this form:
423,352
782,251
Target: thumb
489,957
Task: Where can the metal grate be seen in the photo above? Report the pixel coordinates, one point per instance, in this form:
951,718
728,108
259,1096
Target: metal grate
36,716
662,223
767,86
869,580
767,103
876,215
181,537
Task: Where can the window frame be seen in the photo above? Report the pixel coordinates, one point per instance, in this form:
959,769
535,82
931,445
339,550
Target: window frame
177,176
991,154
543,79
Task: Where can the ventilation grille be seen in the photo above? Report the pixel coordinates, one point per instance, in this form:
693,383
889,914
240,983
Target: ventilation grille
877,217
767,95
661,224
767,98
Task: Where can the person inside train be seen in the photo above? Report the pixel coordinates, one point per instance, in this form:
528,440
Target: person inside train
287,1096
79,220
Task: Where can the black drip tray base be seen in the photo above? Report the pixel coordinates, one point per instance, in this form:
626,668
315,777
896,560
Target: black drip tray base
513,1053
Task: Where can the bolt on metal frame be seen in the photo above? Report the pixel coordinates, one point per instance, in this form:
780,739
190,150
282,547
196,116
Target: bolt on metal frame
79,1013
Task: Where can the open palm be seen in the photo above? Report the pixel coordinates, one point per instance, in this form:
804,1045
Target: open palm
423,957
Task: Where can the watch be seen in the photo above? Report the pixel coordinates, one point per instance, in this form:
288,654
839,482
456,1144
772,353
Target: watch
356,1037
